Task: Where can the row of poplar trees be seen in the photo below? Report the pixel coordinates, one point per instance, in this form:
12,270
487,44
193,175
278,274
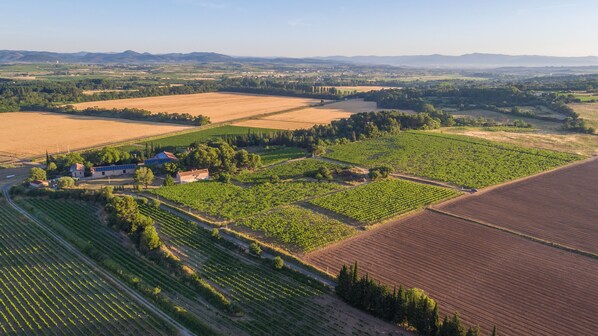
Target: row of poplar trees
412,306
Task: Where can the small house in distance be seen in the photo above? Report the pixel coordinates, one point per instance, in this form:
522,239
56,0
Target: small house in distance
192,176
77,170
115,170
161,158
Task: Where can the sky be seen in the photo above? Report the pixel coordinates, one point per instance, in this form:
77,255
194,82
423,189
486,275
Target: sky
302,28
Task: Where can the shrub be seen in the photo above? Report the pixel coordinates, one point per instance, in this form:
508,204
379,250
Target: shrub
66,182
278,262
255,249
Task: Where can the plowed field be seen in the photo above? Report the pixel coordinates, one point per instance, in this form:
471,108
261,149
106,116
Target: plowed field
490,277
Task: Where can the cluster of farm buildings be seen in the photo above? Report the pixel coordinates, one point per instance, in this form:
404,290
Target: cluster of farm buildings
77,170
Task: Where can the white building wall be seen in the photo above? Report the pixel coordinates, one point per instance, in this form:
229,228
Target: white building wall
112,173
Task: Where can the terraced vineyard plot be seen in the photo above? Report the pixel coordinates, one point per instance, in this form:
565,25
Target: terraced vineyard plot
376,201
490,277
78,222
288,170
46,290
229,201
297,228
456,159
272,300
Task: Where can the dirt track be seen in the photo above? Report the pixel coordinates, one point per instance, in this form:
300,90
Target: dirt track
490,277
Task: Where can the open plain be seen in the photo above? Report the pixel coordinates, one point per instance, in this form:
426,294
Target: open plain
219,106
28,134
308,117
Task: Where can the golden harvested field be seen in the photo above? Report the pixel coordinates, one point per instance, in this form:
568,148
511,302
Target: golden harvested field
308,117
587,111
583,144
219,106
32,133
362,88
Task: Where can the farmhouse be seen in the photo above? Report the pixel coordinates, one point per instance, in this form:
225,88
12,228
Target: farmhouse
77,170
161,158
192,176
115,170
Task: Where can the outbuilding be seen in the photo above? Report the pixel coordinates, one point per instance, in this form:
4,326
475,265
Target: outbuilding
192,176
160,159
77,170
114,170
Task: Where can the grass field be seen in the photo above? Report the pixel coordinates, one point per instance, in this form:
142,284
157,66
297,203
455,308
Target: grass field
185,139
229,201
47,290
297,229
32,133
287,170
219,106
377,201
588,112
308,117
506,118
581,144
455,159
277,154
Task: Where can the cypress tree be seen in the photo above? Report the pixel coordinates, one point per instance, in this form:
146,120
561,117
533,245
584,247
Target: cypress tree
494,331
47,158
355,272
435,320
473,331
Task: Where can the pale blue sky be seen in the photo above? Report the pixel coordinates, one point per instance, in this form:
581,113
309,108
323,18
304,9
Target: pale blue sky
303,28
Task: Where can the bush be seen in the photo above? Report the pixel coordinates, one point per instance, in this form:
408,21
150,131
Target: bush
66,182
155,203
168,181
278,262
37,174
216,233
255,249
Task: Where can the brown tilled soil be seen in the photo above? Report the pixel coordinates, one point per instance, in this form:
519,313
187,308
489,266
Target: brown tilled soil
490,277
560,206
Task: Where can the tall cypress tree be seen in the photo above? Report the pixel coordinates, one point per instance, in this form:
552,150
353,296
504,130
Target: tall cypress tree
494,331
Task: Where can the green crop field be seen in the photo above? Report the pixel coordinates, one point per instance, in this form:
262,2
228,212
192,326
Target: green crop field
280,154
460,160
78,223
229,201
287,170
271,300
46,290
376,201
297,228
185,139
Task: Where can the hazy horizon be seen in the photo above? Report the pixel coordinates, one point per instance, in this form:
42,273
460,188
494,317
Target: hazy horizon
303,28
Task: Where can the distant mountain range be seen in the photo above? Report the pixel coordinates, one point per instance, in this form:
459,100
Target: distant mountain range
423,61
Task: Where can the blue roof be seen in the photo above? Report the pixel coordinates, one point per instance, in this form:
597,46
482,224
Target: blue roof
154,161
116,167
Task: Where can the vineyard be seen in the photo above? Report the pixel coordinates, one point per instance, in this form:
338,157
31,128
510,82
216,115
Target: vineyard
376,201
45,290
297,228
288,170
450,158
272,300
229,201
78,223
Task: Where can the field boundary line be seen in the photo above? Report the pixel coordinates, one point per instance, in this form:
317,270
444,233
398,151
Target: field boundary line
94,267
518,180
519,234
